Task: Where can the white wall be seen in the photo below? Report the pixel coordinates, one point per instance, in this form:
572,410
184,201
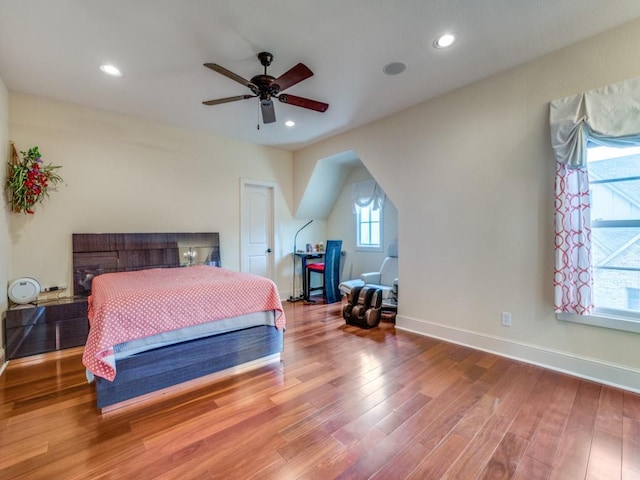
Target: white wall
342,225
123,174
472,177
5,243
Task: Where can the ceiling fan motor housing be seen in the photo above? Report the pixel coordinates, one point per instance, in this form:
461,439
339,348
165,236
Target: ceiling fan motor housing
267,87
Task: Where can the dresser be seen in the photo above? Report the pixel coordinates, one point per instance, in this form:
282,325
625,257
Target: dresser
46,327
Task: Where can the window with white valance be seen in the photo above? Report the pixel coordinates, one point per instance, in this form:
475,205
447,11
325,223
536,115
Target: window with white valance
367,193
368,201
608,115
597,212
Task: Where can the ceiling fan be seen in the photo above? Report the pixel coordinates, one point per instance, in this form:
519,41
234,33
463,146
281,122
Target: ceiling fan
267,88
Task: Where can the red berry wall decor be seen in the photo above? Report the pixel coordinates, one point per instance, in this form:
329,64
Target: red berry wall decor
29,180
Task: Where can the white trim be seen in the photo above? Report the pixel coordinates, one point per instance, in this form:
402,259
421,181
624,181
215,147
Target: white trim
602,320
369,249
618,376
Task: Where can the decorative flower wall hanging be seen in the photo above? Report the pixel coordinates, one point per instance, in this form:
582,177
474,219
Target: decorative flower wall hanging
29,180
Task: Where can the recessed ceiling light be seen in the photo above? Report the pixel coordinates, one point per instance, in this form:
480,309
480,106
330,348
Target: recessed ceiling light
290,123
394,68
444,41
111,70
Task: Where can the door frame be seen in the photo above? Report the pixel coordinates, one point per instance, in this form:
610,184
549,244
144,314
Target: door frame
244,182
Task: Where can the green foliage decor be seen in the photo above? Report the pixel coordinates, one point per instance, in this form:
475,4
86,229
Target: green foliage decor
29,180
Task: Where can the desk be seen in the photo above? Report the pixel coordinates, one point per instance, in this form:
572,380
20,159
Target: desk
304,258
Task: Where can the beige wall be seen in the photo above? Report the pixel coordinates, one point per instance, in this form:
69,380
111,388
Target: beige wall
5,243
471,174
342,225
123,174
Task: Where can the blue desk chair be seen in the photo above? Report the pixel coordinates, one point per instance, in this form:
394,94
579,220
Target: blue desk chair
330,270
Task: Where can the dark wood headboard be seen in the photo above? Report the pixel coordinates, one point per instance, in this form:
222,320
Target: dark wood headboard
96,253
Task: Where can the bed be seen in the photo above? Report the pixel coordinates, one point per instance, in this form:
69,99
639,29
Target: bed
163,311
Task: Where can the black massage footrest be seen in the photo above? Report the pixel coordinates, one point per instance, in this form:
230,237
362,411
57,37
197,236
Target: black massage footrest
364,307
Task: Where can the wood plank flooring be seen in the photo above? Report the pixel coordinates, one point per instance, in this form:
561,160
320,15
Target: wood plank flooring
344,403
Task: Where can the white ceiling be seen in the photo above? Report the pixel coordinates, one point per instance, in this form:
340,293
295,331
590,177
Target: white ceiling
53,49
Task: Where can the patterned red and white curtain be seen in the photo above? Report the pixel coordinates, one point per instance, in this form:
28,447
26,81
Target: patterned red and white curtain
573,278
608,116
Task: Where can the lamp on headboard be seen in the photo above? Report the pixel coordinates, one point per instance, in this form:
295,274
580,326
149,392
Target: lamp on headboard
190,255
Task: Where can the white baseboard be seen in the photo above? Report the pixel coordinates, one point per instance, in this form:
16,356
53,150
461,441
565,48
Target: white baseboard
618,376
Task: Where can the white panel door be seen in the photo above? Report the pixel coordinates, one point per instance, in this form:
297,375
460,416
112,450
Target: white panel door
257,229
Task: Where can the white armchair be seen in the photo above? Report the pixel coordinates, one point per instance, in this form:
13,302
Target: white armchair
386,279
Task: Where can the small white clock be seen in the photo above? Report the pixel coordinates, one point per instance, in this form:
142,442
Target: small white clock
24,290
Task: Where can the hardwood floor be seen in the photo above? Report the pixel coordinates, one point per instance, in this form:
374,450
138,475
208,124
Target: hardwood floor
344,403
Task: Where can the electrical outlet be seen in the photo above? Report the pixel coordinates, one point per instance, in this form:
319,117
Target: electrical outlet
506,319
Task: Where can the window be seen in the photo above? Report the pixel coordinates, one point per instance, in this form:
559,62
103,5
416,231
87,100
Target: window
633,299
368,201
614,191
369,227
597,205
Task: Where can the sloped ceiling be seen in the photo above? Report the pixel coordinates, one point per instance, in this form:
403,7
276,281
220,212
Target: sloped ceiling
325,184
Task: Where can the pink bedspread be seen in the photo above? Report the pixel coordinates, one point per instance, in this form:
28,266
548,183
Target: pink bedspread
131,305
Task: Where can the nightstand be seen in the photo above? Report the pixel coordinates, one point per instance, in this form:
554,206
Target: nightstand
46,327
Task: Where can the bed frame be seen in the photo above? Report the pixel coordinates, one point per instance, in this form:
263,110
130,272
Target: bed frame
163,368
96,253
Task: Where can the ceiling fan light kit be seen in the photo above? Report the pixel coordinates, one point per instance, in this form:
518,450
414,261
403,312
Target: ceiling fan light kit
266,88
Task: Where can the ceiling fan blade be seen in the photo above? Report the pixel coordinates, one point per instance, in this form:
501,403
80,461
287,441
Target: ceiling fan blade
291,77
227,99
229,74
303,102
268,112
